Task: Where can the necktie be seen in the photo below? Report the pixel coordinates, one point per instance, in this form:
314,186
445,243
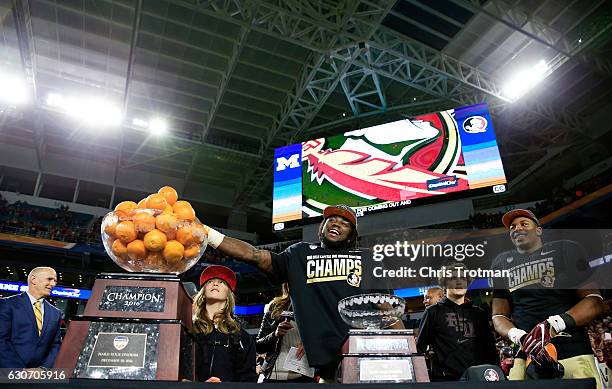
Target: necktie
38,314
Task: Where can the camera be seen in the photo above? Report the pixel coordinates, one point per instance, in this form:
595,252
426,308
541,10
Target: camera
287,315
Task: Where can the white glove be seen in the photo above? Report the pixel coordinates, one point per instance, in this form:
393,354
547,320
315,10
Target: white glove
515,335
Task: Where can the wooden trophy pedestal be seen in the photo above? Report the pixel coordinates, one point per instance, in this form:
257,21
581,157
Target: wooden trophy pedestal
135,326
382,356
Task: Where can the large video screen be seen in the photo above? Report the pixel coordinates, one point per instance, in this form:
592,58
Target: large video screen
434,157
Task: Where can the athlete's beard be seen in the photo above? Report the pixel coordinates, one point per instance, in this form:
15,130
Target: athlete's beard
343,244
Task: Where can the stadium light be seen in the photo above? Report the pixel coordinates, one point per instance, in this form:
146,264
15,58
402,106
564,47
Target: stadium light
92,111
55,100
13,90
525,80
140,123
158,126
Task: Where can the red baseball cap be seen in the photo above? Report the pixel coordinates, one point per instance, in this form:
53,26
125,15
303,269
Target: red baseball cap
341,210
224,273
509,216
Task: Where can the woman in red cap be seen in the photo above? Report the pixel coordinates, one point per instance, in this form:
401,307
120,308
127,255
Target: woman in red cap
225,352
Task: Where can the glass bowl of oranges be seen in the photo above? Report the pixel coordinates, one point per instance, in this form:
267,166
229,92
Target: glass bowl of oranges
160,234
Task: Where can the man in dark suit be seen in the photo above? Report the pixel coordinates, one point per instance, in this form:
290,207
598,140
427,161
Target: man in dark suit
29,325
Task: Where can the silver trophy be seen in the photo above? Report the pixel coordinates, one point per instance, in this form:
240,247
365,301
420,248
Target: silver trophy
371,311
373,353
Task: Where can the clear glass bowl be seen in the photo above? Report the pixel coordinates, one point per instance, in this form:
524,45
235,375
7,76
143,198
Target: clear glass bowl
371,311
129,241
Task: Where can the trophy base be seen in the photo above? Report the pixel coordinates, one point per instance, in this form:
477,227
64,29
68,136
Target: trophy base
127,349
382,356
383,369
135,327
385,332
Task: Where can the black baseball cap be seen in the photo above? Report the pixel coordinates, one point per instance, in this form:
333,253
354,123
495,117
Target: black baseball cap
509,216
341,210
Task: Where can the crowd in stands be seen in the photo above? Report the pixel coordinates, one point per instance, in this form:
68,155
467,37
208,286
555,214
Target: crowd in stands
600,334
61,224
557,199
21,218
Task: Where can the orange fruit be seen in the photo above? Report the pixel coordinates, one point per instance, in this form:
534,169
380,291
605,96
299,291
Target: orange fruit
156,201
183,210
154,260
155,240
143,221
110,228
181,203
169,193
136,250
125,231
168,209
183,235
191,251
142,204
171,235
166,222
198,232
185,213
173,252
127,206
119,248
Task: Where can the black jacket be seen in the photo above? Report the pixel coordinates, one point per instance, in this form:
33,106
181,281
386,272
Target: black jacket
267,342
229,357
460,337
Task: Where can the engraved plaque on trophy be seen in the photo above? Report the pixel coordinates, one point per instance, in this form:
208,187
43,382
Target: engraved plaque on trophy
372,354
135,326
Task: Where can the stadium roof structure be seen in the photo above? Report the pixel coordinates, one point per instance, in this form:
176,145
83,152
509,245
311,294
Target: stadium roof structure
235,79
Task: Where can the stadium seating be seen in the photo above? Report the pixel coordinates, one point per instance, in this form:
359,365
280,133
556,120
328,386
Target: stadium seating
62,224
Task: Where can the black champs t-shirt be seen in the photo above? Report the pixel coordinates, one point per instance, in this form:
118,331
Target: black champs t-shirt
538,288
319,278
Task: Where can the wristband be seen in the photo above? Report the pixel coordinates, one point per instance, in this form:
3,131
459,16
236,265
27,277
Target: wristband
562,322
214,237
504,316
596,295
515,335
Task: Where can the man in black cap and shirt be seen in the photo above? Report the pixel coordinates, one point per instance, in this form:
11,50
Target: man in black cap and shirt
319,276
457,331
532,310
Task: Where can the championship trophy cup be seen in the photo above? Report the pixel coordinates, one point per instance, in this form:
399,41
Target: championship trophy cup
372,354
136,325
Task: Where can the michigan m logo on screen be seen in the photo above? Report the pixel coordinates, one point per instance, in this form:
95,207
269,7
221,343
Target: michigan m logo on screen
287,203
283,163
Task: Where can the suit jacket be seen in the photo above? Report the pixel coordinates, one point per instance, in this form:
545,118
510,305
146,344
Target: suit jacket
20,345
